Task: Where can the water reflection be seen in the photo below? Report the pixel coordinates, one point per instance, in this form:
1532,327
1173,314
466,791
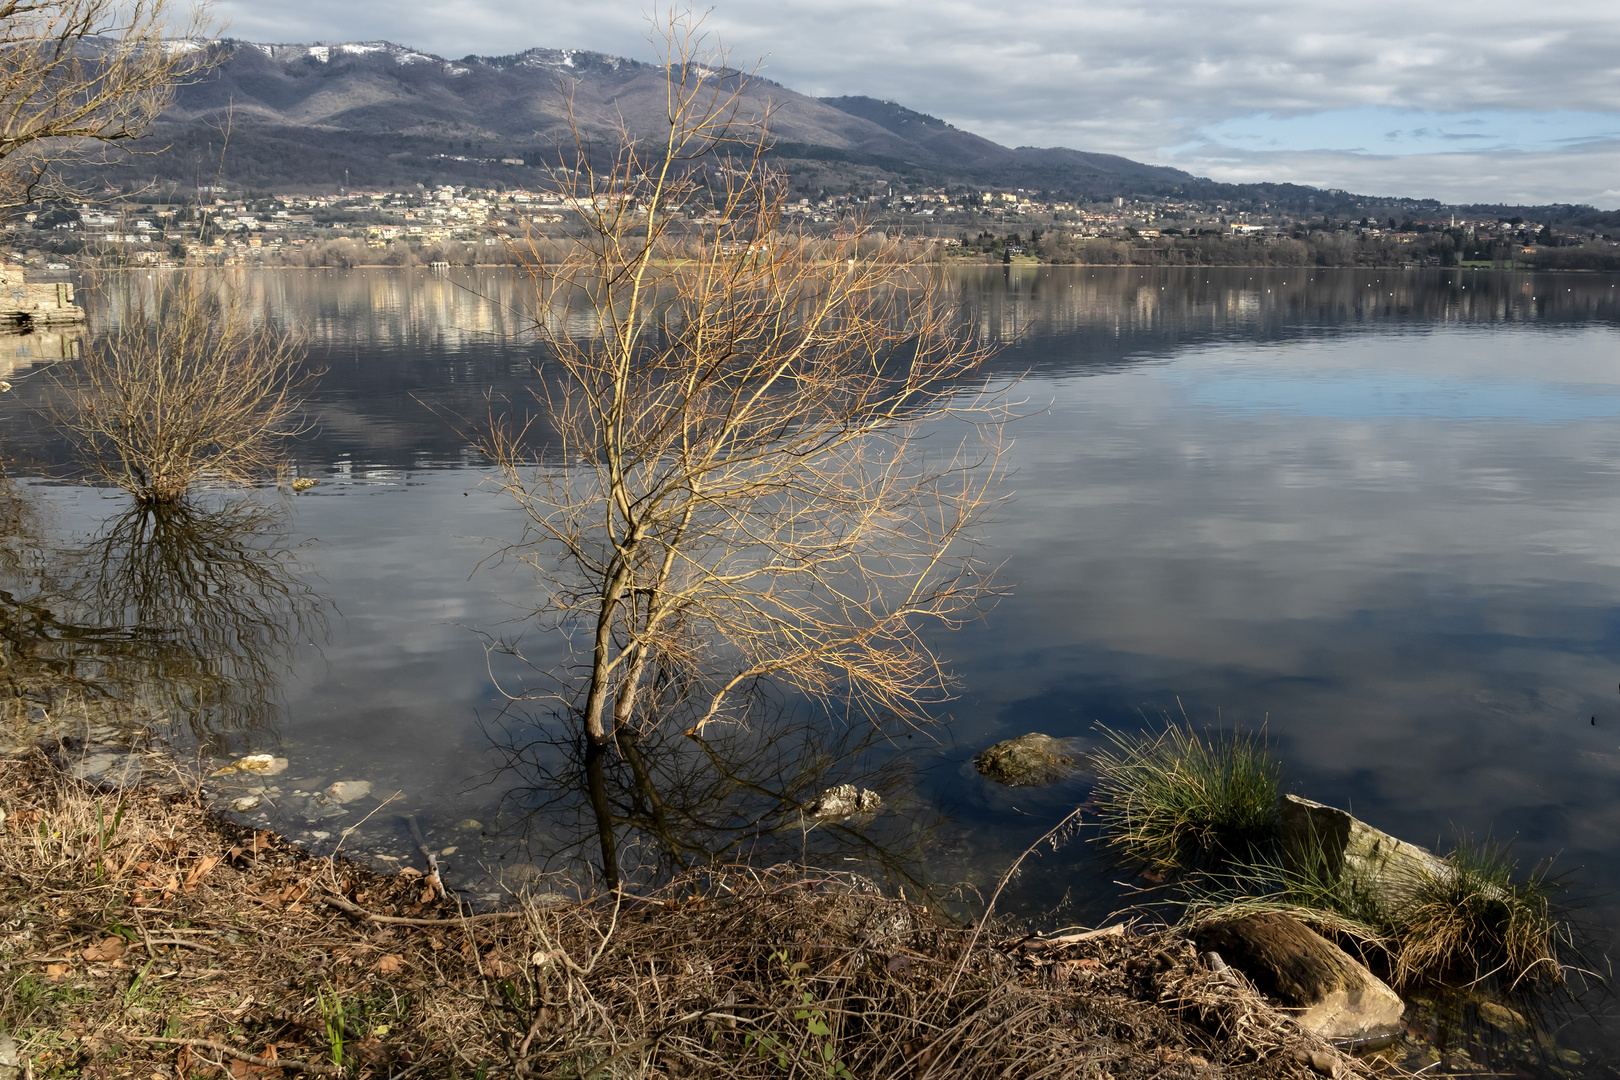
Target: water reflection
187,614
659,801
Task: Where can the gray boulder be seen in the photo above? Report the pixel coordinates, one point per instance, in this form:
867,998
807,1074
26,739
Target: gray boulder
1335,847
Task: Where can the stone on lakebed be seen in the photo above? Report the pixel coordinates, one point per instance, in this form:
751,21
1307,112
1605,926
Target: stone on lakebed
347,791
843,801
258,764
1031,760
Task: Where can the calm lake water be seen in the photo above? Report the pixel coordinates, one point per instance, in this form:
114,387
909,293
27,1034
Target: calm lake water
1375,514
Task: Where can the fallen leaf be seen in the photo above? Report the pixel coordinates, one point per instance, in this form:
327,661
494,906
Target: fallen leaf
390,963
409,871
427,895
199,872
109,948
56,972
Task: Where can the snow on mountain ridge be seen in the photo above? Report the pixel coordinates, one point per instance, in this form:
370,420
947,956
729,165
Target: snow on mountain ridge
287,52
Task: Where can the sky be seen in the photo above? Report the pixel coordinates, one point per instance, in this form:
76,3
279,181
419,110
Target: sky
1483,101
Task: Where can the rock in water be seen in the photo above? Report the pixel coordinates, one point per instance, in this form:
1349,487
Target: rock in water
1328,990
304,483
1502,1018
843,801
261,764
346,791
1028,761
246,803
1332,846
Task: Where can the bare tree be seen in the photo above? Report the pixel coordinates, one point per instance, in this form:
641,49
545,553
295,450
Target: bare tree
80,74
734,487
188,385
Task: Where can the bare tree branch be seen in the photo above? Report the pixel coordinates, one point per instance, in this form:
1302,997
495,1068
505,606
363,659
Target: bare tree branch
80,74
739,485
186,386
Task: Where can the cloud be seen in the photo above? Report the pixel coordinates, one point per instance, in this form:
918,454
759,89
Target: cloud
1583,175
1107,75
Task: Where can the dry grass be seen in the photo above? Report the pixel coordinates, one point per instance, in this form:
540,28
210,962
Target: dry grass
1477,923
146,938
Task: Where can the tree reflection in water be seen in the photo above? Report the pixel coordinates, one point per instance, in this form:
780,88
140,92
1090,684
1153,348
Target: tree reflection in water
661,801
186,613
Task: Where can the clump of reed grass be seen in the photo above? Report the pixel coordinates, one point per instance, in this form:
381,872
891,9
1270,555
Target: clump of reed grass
1478,922
1178,802
1203,812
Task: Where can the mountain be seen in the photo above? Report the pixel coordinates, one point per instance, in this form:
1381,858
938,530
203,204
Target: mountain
375,113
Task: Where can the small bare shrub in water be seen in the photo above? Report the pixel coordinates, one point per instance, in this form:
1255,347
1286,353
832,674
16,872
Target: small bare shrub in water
188,386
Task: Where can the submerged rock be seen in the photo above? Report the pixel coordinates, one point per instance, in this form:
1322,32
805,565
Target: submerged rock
843,801
246,803
259,764
347,791
1030,760
123,770
1327,990
304,483
319,808
1502,1018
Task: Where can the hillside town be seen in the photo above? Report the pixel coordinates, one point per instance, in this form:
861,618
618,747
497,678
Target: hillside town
465,225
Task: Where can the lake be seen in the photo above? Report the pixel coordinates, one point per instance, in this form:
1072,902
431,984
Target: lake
1374,514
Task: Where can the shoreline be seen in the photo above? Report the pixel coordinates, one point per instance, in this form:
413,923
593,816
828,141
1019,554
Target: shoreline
158,936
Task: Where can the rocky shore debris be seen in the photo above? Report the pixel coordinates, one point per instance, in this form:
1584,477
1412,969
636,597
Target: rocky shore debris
1164,964
234,917
1329,992
843,801
1032,760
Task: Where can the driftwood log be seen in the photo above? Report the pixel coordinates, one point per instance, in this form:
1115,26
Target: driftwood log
1329,991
